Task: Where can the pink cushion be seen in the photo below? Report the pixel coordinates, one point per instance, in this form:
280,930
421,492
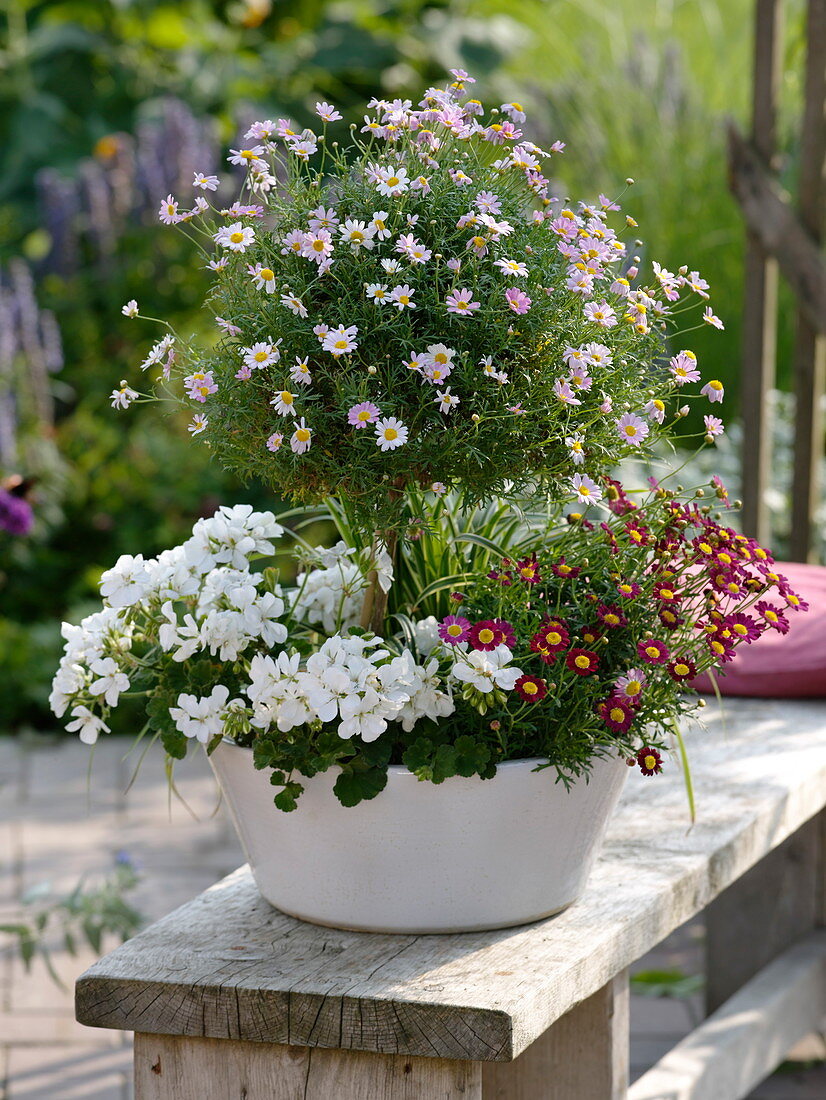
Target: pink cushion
784,666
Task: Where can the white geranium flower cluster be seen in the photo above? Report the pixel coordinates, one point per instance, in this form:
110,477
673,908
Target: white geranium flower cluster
251,655
350,680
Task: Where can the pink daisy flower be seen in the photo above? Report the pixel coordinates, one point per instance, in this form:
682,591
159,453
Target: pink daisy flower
632,428
517,300
362,415
461,303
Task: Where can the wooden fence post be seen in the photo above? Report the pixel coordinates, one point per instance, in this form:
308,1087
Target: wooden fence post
760,306
810,346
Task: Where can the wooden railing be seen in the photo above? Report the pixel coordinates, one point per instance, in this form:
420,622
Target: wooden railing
780,238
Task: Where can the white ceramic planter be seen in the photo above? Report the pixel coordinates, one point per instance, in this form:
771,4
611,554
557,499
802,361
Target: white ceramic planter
461,856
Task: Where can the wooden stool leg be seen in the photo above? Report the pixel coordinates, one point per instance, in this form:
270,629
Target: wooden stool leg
584,1056
169,1067
765,911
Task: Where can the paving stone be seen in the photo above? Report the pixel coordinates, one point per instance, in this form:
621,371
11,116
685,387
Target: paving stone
81,1072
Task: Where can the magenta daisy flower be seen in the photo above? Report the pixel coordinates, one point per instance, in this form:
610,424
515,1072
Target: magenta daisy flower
773,616
454,629
629,590
616,714
653,651
362,415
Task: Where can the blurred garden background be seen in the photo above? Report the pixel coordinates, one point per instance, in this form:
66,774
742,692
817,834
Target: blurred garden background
108,105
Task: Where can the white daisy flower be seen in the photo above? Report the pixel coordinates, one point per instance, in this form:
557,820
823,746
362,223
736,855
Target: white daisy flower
236,237
390,433
284,403
294,304
302,438
123,397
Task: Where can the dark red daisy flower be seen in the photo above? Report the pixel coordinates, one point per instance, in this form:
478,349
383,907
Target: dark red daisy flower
637,534
616,714
582,661
669,618
611,615
490,633
562,569
527,570
682,668
650,761
664,590
531,688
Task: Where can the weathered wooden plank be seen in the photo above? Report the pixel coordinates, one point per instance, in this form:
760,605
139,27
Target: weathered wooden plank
229,966
168,1067
810,344
585,1053
776,226
761,914
746,1038
760,285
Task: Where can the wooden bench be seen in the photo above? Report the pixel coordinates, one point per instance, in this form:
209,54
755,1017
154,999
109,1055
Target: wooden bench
229,998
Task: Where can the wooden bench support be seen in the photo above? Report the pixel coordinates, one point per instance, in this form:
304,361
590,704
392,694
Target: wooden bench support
745,1039
770,907
585,1053
171,1067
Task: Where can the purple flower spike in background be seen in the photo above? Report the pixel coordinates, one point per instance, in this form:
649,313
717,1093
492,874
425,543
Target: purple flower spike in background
16,515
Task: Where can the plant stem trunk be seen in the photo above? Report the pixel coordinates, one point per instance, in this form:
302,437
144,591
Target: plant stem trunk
374,608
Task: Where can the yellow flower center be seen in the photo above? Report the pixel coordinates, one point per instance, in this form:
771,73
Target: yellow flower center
530,688
630,430
616,714
486,636
236,237
633,687
581,661
260,356
392,181
454,630
770,615
302,434
266,274
390,434
286,397
611,620
650,762
681,669
363,416
553,638
652,651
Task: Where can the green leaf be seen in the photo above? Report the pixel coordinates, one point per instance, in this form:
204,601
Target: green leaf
356,785
472,757
174,743
286,799
418,757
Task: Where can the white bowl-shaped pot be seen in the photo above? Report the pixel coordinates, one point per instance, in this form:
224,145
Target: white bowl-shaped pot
460,856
